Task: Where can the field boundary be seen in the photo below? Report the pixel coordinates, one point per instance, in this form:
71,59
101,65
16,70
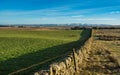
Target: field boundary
71,64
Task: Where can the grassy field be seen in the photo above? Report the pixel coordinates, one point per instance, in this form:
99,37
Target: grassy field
113,45
104,57
107,32
23,48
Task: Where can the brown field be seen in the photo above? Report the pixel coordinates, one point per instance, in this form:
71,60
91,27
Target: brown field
104,57
36,28
107,32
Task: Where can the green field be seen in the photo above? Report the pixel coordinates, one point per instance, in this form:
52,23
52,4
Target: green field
23,48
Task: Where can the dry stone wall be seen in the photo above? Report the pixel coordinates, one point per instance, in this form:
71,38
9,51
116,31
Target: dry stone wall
71,64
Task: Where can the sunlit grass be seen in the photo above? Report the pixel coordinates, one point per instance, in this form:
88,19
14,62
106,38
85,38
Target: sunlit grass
22,48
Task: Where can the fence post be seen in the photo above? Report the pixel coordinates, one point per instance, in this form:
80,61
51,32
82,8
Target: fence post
75,62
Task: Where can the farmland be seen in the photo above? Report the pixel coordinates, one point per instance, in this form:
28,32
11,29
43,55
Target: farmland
103,58
107,32
109,40
23,48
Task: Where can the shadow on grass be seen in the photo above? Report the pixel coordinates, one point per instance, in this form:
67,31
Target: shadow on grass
27,60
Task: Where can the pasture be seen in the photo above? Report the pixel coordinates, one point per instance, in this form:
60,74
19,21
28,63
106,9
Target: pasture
23,48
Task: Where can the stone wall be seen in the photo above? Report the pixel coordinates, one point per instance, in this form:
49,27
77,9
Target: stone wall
71,64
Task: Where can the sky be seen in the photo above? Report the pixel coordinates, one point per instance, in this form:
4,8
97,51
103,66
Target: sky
59,11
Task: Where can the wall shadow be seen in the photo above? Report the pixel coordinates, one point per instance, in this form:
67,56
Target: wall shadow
36,57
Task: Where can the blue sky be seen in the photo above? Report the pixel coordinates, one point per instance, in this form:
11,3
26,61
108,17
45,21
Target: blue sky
59,11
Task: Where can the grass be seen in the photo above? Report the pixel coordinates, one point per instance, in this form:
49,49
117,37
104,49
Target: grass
23,48
69,35
100,61
113,46
107,32
104,57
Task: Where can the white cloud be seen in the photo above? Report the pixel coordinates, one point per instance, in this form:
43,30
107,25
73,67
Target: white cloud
115,12
59,15
99,19
49,11
77,16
